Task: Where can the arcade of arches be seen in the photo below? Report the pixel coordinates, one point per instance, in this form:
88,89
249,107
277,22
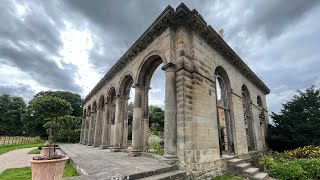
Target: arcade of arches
214,103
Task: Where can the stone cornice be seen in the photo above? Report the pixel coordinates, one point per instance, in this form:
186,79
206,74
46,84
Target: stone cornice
175,18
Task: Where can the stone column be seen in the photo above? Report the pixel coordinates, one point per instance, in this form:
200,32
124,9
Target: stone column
136,124
105,143
145,144
118,125
170,119
82,130
125,123
97,129
91,129
86,129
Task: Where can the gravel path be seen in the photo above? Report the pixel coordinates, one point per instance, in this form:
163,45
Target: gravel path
15,159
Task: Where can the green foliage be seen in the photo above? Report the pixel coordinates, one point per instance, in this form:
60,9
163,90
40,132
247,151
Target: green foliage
8,148
34,151
266,160
69,170
304,152
11,109
72,98
69,128
287,170
50,107
298,123
155,144
311,167
156,115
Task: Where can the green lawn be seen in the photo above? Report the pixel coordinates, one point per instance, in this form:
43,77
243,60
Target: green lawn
8,148
25,173
226,177
34,151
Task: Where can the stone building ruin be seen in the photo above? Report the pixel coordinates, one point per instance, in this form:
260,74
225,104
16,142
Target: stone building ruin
207,87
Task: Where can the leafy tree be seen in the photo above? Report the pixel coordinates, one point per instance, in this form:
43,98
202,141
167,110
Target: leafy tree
298,123
50,109
156,115
11,109
34,122
69,128
72,98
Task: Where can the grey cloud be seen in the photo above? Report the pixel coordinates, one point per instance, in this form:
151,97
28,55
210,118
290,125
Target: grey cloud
20,38
21,90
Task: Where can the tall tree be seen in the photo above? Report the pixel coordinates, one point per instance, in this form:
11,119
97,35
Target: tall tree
156,115
298,123
73,98
34,122
11,109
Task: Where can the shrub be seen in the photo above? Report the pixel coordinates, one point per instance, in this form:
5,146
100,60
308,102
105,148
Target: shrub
287,170
266,160
311,167
155,144
304,152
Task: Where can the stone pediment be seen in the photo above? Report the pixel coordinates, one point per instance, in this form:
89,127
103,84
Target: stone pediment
181,16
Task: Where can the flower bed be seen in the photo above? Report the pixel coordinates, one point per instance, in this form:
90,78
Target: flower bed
301,163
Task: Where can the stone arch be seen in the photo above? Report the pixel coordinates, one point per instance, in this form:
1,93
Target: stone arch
147,59
223,88
111,93
126,82
89,110
259,101
101,101
248,119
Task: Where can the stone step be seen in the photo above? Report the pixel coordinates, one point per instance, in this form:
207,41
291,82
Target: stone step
169,175
250,172
261,176
235,161
242,166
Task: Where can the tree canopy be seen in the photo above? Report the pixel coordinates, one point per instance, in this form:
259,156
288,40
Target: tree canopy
298,123
156,115
11,109
72,98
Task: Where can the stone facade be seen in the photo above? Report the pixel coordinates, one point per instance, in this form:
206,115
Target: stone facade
194,56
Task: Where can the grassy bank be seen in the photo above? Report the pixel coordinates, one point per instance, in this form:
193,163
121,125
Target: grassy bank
8,148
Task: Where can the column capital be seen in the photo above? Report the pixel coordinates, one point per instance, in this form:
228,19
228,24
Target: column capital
136,86
169,66
92,112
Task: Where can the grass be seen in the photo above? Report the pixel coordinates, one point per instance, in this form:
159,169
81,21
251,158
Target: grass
25,173
8,148
226,177
34,151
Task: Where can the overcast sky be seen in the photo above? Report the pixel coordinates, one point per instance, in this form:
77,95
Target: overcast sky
69,45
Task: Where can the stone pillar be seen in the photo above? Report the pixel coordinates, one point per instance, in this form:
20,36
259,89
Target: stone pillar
170,119
105,142
145,144
125,123
86,129
91,129
136,124
118,125
97,129
82,130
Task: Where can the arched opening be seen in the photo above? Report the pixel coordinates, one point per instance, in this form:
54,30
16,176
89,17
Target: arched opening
126,110
262,122
223,109
152,92
99,118
248,120
110,125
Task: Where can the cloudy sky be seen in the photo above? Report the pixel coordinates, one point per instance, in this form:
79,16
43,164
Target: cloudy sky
69,45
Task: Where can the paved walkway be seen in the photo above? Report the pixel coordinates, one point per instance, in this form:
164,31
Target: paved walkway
103,164
15,159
